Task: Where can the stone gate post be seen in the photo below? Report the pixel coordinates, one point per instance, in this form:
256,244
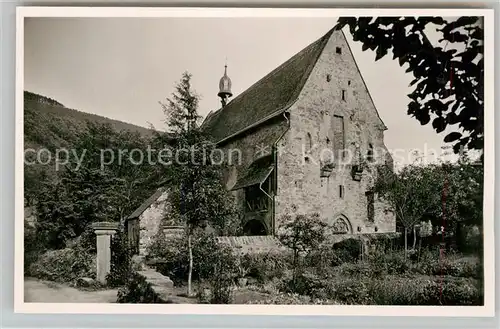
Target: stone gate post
104,231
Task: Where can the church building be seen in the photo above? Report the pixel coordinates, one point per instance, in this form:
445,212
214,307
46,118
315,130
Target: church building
308,136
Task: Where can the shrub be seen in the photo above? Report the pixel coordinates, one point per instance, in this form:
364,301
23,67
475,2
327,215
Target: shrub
64,265
357,269
457,268
172,256
138,291
341,289
302,234
304,284
222,276
265,266
396,291
121,265
453,265
33,248
424,291
87,240
395,263
325,258
473,240
352,291
387,242
348,250
161,246
293,299
452,291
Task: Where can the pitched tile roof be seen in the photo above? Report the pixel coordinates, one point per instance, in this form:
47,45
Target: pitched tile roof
270,95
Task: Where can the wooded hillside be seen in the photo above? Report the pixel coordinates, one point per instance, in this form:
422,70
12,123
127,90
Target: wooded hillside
49,124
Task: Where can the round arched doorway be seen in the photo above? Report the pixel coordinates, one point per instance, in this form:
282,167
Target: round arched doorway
254,227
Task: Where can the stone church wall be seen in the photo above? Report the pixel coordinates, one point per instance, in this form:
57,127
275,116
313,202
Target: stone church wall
251,146
151,221
334,88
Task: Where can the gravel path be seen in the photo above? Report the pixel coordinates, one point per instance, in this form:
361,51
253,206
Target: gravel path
37,291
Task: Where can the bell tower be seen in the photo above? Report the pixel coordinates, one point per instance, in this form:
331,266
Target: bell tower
224,88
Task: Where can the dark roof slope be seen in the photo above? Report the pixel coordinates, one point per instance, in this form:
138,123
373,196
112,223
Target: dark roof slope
145,205
256,173
276,91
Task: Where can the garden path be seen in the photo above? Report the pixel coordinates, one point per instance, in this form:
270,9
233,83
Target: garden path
39,291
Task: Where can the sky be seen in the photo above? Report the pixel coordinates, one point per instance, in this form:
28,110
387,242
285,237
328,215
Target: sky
121,68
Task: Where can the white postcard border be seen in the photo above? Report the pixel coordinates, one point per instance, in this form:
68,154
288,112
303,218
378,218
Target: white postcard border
488,310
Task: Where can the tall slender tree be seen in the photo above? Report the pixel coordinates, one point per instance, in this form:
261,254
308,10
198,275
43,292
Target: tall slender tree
199,197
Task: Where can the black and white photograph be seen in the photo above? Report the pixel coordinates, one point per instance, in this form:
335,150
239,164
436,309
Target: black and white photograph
255,158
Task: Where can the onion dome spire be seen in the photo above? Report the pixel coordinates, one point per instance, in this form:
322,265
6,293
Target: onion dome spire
225,87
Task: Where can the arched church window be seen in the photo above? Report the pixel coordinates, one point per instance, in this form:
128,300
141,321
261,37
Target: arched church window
340,226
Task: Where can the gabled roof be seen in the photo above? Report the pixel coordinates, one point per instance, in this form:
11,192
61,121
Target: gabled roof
145,205
274,93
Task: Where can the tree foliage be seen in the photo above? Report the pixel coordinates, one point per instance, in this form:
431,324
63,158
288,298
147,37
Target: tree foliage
462,199
410,193
199,198
87,191
448,80
448,194
301,234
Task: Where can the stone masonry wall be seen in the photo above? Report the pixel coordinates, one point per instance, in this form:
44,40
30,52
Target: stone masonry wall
150,221
300,187
250,146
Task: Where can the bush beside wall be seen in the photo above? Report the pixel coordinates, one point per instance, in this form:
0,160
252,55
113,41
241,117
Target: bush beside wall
64,265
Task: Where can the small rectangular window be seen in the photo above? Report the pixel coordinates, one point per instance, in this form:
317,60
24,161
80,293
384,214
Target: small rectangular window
343,94
369,154
338,50
370,205
338,136
341,191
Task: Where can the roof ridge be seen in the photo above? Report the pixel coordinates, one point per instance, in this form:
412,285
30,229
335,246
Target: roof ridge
273,93
280,67
323,41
